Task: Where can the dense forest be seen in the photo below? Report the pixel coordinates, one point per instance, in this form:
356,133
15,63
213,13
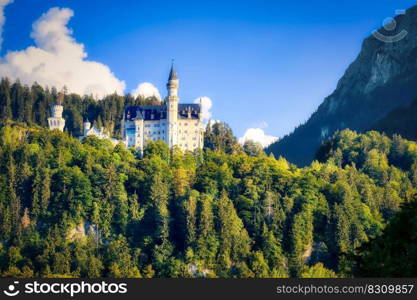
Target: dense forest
91,209
31,104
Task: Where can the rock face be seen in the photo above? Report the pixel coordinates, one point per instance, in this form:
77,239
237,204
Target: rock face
78,232
383,77
82,230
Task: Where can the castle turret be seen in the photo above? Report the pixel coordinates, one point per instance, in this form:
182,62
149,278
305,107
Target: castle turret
87,126
56,121
173,82
172,107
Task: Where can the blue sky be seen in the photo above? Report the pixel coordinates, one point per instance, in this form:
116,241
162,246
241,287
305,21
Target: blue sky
265,64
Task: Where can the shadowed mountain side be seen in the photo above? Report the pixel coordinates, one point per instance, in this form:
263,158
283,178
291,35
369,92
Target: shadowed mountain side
401,120
383,77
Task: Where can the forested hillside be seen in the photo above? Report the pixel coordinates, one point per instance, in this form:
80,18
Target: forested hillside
394,253
91,209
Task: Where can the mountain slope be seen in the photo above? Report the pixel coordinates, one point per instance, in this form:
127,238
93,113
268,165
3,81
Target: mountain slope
383,77
401,120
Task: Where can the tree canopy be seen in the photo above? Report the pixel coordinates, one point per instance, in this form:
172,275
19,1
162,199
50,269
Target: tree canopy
91,209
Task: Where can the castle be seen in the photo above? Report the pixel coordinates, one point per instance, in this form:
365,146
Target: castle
174,123
88,130
177,124
57,121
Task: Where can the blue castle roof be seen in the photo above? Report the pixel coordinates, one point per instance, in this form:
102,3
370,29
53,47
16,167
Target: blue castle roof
159,112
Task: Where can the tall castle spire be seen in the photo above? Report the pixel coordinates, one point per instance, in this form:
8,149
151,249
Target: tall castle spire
172,73
172,107
173,82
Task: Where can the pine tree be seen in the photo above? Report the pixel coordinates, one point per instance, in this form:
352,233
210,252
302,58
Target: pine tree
234,239
15,205
5,100
159,202
207,241
18,101
25,219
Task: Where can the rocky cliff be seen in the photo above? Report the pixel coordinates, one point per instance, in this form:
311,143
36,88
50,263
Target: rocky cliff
383,77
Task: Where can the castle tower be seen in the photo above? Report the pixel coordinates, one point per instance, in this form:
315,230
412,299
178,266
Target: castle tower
87,126
172,108
56,121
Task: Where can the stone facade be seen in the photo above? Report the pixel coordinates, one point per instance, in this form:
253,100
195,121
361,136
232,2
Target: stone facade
176,124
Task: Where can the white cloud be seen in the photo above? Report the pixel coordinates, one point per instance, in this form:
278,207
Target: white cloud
146,89
258,135
58,60
206,105
3,4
